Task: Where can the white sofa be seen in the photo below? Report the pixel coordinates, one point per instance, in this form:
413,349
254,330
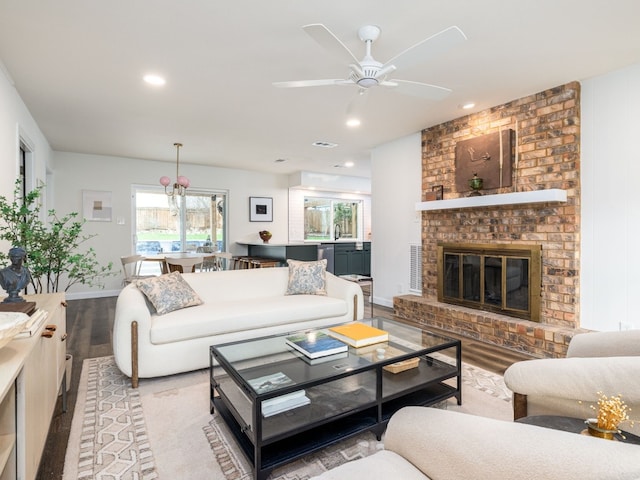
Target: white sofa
429,443
607,362
237,304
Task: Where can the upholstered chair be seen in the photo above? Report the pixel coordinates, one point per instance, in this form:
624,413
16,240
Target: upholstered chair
607,362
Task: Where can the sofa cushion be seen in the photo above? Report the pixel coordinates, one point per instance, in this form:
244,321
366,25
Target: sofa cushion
250,314
168,293
307,278
382,465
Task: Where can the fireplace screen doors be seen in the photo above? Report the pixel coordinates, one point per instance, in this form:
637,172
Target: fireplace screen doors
498,278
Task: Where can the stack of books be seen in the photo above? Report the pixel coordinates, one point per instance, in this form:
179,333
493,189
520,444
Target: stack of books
316,344
35,321
358,334
280,404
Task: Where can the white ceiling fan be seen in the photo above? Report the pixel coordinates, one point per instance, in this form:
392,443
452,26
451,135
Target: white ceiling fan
368,72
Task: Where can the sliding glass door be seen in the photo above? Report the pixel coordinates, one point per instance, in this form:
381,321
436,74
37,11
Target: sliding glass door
182,224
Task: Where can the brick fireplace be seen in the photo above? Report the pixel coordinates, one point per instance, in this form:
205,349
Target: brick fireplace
547,133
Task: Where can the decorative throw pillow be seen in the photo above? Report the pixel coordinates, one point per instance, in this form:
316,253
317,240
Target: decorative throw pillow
168,292
307,278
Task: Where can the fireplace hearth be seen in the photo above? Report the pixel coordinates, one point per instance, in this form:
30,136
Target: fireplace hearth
501,278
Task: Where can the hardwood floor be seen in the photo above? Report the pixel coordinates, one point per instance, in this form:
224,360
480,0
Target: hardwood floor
89,325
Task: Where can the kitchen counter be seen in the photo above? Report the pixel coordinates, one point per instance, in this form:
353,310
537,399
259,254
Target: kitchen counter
283,251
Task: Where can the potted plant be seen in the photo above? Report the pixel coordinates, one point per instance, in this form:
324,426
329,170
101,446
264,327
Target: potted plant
53,248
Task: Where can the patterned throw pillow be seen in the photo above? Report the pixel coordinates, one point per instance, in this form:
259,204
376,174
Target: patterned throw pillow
168,292
307,278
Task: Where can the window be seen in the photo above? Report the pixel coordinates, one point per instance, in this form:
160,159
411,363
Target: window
332,219
162,225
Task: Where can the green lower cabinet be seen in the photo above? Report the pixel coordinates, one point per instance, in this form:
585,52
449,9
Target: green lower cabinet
341,263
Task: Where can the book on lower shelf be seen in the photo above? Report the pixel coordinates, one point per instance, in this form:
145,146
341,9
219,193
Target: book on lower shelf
316,344
284,403
270,382
358,334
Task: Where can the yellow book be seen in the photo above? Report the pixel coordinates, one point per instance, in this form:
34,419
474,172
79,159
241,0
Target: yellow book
358,334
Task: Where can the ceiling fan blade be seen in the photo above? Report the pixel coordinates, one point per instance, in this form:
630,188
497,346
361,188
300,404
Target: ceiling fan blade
311,83
327,40
429,48
417,89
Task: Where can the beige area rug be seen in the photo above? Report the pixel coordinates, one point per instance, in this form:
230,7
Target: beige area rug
163,429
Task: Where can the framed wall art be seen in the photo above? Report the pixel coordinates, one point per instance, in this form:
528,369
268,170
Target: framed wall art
96,206
260,209
488,156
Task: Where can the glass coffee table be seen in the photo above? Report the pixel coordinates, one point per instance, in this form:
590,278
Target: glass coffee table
281,405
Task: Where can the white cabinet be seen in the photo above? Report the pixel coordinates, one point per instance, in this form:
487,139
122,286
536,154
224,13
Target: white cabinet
8,435
31,371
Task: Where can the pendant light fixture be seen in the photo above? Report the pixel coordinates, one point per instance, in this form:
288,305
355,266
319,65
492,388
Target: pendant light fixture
181,184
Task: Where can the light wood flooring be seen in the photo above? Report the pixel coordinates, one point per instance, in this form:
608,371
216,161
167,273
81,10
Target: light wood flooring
89,325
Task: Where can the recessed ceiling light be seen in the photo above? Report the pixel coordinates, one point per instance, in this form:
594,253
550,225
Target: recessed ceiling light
353,122
349,164
156,80
467,106
324,144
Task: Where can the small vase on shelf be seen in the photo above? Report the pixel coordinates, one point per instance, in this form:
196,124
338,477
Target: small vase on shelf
475,184
265,235
595,431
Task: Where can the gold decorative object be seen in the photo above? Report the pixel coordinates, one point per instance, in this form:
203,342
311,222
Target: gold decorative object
265,235
611,412
595,431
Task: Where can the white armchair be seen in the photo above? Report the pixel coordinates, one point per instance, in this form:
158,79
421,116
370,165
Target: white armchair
607,362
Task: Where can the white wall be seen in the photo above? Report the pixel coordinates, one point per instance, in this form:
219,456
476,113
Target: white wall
610,166
77,172
16,122
396,188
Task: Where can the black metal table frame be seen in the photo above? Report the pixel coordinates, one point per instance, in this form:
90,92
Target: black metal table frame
314,436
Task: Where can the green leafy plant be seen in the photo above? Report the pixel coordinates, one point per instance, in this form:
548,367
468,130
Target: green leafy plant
53,247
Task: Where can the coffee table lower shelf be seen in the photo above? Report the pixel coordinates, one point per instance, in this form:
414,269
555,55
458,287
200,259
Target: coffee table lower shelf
286,450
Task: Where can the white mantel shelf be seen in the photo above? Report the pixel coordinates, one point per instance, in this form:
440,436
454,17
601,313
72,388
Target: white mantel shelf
517,198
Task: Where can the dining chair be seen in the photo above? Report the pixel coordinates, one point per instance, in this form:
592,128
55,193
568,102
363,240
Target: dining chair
184,265
131,268
222,260
209,262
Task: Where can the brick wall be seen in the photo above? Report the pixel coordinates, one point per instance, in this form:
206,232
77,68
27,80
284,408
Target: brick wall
548,132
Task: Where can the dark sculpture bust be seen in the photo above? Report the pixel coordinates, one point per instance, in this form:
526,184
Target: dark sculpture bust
15,277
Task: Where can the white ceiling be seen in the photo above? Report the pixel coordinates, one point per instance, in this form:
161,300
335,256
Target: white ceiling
78,65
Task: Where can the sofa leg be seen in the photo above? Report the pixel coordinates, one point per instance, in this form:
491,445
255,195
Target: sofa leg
519,405
134,354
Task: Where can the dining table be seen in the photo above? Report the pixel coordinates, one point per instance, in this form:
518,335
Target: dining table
161,258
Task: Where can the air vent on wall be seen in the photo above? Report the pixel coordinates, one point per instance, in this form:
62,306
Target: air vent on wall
415,273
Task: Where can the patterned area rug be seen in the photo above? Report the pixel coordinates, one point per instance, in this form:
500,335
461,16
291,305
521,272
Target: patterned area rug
112,437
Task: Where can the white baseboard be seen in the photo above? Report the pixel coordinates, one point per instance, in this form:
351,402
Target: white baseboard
384,302
92,294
